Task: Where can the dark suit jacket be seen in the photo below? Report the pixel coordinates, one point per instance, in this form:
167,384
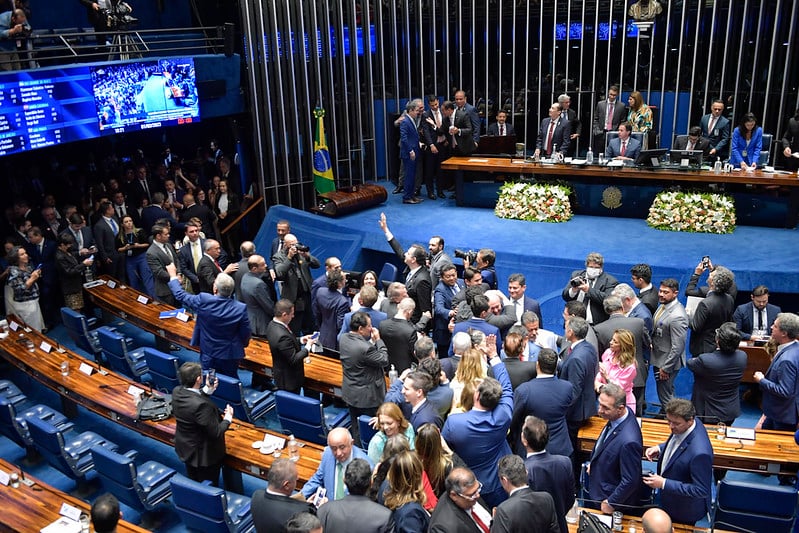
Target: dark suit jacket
270,512
461,143
88,241
596,295
187,263
711,313
548,399
200,430
447,517
702,144
47,258
560,136
330,306
153,212
205,214
616,465
580,369
442,304
632,151
636,326
552,474
493,129
289,271
426,414
376,316
531,304
356,514
157,260
70,272
206,273
400,338
419,286
105,240
519,371
479,324
260,306
780,386
743,317
600,117
430,133
287,357
409,139
689,477
526,510
362,363
650,299
717,377
720,136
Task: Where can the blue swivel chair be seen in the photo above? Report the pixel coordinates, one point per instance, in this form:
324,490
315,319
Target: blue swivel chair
388,274
81,330
306,418
765,150
162,368
14,420
210,509
119,353
248,404
11,392
141,487
748,506
367,431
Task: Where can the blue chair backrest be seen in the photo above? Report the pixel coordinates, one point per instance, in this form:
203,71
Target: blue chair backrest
755,506
200,506
114,348
118,473
163,369
765,150
50,443
388,274
367,431
229,392
8,423
302,416
77,328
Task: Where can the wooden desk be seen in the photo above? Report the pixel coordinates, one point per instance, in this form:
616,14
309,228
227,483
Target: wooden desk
516,166
773,452
106,395
321,374
635,521
30,508
756,360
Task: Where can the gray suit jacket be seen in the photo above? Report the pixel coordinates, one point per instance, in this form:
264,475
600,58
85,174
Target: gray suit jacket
362,362
260,307
356,514
157,260
669,336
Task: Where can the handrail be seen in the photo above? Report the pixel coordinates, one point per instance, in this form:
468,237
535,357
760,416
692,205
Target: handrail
256,202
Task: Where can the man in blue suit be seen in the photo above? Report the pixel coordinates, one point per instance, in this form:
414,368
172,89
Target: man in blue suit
780,385
615,465
409,149
446,289
716,128
685,465
479,312
757,314
517,285
223,328
155,212
338,453
554,135
368,296
624,147
478,436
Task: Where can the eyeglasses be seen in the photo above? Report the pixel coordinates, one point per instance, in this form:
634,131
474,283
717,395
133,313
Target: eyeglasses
475,495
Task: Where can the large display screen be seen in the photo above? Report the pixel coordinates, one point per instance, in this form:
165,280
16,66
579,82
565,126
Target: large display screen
145,94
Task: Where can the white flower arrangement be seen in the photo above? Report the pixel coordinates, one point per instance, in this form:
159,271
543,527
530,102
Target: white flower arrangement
536,202
691,211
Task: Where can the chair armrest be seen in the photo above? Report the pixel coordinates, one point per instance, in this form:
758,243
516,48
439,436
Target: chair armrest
244,510
131,454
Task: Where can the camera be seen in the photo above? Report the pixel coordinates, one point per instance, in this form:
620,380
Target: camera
302,247
470,256
577,281
706,261
118,15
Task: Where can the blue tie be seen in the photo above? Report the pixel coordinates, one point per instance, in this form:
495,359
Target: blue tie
114,226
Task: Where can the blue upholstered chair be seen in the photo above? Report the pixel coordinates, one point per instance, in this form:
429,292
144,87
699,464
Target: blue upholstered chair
248,404
305,417
388,274
162,368
120,355
747,506
367,431
141,487
81,330
765,150
14,420
210,509
11,392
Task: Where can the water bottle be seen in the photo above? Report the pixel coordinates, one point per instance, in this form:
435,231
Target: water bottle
601,158
392,374
589,156
573,515
717,166
88,274
294,449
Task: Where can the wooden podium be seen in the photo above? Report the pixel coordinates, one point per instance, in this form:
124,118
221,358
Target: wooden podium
350,200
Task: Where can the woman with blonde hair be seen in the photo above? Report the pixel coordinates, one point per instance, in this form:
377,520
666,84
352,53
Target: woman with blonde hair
618,365
133,243
391,422
405,495
470,368
640,115
437,459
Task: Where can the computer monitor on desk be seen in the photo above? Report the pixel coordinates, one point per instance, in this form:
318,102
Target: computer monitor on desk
688,159
650,159
496,144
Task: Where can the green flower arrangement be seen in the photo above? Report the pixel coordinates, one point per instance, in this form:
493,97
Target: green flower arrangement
692,211
536,202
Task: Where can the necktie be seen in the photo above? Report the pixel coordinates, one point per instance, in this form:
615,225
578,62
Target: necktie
339,482
659,313
452,120
454,289
482,525
549,136
609,118
121,211
690,145
196,254
601,440
760,321
146,188
438,119
502,130
79,238
671,447
114,226
217,265
40,253
711,124
623,148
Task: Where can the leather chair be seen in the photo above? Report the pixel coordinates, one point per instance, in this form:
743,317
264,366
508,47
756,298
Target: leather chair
80,329
141,487
367,431
210,509
66,450
748,506
637,135
305,417
765,150
388,274
118,351
10,391
162,368
248,404
14,420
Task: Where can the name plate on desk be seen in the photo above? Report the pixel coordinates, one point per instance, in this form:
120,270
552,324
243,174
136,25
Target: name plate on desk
183,317
70,511
741,433
4,477
142,299
111,284
45,347
86,369
14,326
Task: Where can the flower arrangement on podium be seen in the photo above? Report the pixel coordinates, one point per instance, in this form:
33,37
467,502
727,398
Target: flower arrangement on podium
692,211
536,202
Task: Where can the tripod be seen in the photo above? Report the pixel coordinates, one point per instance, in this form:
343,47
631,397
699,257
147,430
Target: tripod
124,47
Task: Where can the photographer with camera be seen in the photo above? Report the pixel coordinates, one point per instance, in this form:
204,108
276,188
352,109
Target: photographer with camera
482,260
96,12
591,286
705,265
293,264
14,28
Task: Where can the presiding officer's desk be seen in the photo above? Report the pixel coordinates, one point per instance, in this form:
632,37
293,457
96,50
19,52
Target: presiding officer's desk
772,452
105,393
322,374
756,360
35,505
510,166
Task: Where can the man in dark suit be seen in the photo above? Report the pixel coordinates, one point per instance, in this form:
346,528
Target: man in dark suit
416,408
368,297
546,472
517,285
693,141
525,509
160,254
105,238
636,326
685,465
501,128
443,294
545,397
43,252
479,436
205,214
460,130
199,432
282,228
84,238
462,107
141,187
155,212
669,337
364,386
52,226
400,336
779,385
607,117
123,209
434,136
459,509
288,353
190,255
255,295
575,124
478,321
209,266
293,268
634,307
273,506
340,515
554,134
716,128
641,276
330,306
409,149
513,346
223,328
790,143
591,286
715,309
624,147
757,314
615,466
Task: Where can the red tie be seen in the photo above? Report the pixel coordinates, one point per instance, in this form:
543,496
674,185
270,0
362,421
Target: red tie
482,525
217,265
549,136
623,148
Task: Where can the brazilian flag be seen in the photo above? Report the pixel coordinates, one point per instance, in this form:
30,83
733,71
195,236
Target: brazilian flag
322,168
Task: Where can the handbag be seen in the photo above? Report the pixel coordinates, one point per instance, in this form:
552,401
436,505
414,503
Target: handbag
590,523
154,407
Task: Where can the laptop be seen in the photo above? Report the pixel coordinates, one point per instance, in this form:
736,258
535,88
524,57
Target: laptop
689,159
